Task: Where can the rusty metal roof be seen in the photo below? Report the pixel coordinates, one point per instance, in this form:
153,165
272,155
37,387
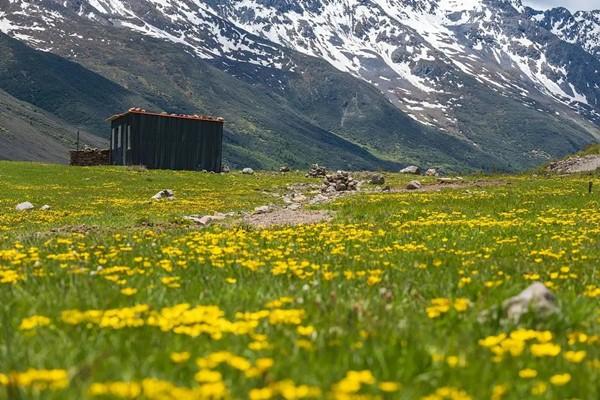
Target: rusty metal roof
141,111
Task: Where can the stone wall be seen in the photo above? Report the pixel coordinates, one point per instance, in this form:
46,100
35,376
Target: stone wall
90,157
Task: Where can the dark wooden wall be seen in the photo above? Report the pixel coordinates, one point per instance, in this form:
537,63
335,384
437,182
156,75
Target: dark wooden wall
168,143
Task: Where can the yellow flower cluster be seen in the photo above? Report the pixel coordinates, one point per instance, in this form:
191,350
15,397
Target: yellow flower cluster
447,393
515,343
350,386
441,306
38,379
33,322
155,389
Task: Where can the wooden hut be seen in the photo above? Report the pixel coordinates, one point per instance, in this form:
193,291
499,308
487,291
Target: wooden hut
167,141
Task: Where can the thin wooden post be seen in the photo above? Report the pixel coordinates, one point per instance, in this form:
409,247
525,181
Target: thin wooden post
590,187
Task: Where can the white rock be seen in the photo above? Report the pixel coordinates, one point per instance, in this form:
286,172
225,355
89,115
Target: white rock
294,206
166,194
262,210
414,185
248,171
25,206
431,172
45,207
537,298
412,169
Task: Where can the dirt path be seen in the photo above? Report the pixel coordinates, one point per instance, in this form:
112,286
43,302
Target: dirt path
284,216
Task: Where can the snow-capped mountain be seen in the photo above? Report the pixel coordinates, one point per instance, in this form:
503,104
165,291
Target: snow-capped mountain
440,62
582,27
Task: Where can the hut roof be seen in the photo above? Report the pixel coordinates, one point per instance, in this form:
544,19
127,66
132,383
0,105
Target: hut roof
140,111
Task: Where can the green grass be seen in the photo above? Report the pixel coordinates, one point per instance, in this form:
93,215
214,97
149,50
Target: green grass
591,150
363,282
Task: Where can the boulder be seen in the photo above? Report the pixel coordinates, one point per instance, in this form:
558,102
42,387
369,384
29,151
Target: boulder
25,206
431,172
377,179
225,169
284,169
537,299
248,171
166,194
45,207
412,169
414,185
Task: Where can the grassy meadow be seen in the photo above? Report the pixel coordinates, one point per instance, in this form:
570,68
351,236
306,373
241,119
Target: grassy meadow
112,296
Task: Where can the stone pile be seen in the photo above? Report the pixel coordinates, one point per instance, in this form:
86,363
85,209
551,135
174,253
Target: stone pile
316,171
341,181
90,157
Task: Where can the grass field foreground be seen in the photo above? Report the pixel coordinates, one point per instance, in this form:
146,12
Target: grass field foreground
112,296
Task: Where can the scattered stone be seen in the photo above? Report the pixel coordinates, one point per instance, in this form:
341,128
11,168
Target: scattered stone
320,198
166,194
225,169
206,219
262,210
387,188
413,169
248,171
537,299
377,179
341,181
25,206
414,185
432,172
284,169
316,171
294,206
45,207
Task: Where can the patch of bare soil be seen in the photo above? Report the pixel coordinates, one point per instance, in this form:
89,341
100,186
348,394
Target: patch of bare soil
286,216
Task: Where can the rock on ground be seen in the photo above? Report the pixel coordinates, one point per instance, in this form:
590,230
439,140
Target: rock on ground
537,299
414,185
412,169
45,207
262,210
341,181
166,194
377,179
316,171
431,172
248,171
25,206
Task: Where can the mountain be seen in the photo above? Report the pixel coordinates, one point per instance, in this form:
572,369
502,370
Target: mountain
461,84
581,28
28,133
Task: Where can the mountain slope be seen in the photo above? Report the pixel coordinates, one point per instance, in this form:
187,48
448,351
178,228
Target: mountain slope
28,133
582,27
355,83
